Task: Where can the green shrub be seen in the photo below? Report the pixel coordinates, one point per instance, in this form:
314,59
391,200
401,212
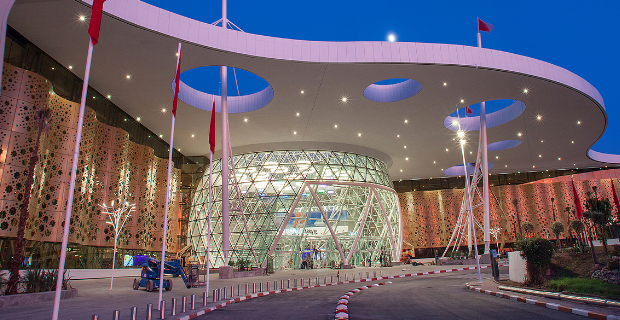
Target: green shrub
37,280
537,253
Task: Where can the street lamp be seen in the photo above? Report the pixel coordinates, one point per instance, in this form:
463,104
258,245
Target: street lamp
118,216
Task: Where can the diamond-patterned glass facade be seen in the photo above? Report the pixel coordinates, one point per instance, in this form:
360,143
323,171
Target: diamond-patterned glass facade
270,184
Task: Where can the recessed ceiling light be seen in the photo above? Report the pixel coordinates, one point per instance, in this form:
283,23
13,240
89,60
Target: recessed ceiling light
533,166
294,132
359,134
302,92
138,119
70,67
407,159
560,159
434,161
540,155
538,117
572,142
163,110
578,122
245,120
128,76
109,96
82,18
470,152
398,136
505,166
344,99
297,114
519,134
460,133
161,135
405,147
406,121
193,135
462,100
496,157
336,126
541,141
525,90
447,150
401,170
445,84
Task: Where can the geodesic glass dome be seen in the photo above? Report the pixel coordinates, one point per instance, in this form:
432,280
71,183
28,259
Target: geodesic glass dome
281,201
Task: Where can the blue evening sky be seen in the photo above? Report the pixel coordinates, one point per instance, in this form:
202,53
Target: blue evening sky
581,36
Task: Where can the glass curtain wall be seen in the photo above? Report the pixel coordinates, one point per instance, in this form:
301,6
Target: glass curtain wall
272,185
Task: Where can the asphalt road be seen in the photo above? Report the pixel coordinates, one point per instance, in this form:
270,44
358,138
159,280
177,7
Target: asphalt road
425,297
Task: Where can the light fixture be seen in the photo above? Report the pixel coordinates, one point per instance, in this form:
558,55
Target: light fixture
406,159
193,135
406,121
128,76
359,134
434,161
505,166
541,141
176,54
405,147
470,152
496,157
138,119
538,117
578,122
460,133
391,37
344,99
109,96
519,134
401,170
302,92
297,114
533,166
462,100
447,150
525,90
82,18
294,132
540,155
398,136
560,159
161,135
70,67
455,122
445,84
245,120
163,110
463,141
335,126
572,142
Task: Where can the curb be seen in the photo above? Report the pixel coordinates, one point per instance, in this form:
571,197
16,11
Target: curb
562,296
342,309
554,306
224,303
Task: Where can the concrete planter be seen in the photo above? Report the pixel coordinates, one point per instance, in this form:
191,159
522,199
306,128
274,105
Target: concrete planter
516,267
30,298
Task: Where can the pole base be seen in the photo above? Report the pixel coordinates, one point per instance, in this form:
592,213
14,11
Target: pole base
226,272
347,266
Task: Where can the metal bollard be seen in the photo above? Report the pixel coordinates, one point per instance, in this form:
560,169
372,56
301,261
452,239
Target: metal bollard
162,309
353,276
360,276
275,285
116,315
246,289
316,281
149,311
302,282
215,298
254,287
288,283
375,274
224,294
239,289
309,282
173,307
281,284
95,317
183,304
193,301
260,287
381,273
295,283
267,286
232,291
346,277
324,279
367,275
331,279
134,312
204,299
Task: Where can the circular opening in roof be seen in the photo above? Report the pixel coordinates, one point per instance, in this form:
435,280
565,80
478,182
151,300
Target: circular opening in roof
503,145
391,90
459,170
498,112
200,87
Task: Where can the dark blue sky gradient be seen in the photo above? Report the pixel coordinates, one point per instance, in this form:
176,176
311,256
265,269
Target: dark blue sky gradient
581,36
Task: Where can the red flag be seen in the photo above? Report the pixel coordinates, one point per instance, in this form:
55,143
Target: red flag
616,202
212,129
483,26
468,111
95,20
577,202
177,80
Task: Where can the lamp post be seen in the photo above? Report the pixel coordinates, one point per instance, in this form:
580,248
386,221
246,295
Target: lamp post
118,216
553,207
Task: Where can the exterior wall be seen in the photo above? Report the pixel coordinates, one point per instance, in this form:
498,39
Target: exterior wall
111,168
429,217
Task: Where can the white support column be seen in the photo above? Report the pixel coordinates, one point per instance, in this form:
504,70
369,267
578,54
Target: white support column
318,203
361,228
225,135
389,225
285,222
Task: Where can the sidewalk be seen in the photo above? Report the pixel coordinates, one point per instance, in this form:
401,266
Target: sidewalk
94,296
491,287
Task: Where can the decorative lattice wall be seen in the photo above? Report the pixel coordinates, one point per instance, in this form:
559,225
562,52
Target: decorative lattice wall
110,168
429,217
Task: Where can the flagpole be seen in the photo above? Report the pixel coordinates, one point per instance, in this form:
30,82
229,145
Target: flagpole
485,169
209,216
225,129
76,154
163,244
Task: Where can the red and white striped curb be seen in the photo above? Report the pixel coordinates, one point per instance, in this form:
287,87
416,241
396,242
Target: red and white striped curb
554,306
260,294
342,309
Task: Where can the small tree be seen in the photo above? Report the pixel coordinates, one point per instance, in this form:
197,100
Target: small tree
528,227
557,227
42,121
537,253
577,226
599,212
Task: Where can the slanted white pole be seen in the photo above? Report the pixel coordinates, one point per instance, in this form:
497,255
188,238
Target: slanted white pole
76,155
209,216
164,238
225,191
485,171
